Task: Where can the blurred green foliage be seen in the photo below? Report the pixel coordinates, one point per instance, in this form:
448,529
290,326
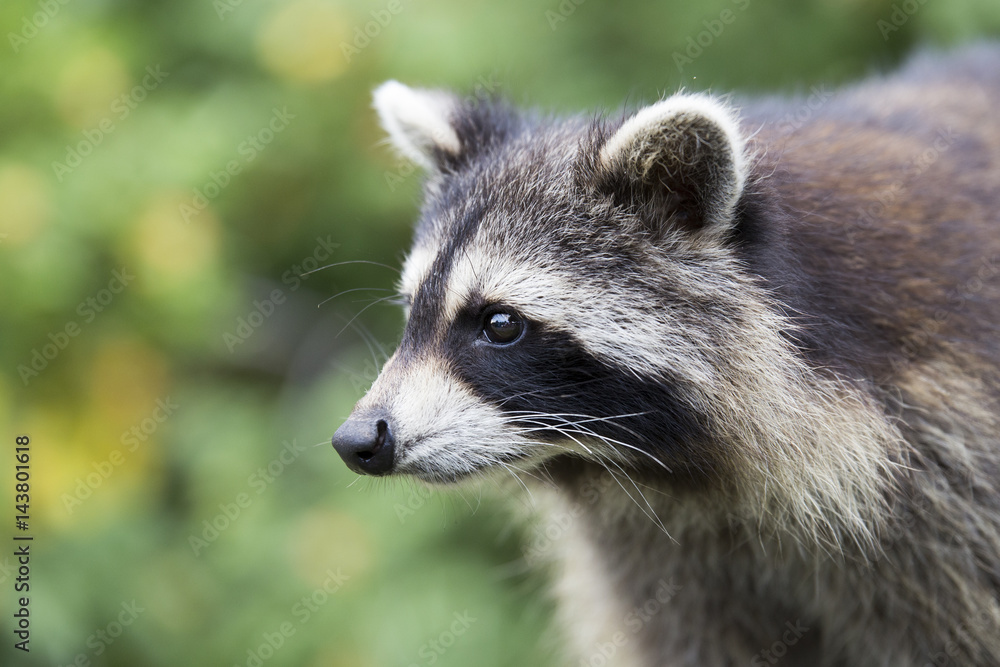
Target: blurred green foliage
167,172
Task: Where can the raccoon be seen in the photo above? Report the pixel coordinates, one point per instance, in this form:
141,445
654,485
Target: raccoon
746,352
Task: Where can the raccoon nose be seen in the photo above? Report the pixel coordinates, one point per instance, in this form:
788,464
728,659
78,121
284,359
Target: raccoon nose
366,447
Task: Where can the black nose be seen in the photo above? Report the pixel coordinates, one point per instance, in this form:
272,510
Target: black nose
367,446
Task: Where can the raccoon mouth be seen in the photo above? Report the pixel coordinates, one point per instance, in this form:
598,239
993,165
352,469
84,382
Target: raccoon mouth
426,470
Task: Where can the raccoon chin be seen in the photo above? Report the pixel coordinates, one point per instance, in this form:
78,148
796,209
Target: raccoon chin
449,470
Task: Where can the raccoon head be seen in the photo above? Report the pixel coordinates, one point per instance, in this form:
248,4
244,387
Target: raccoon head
571,290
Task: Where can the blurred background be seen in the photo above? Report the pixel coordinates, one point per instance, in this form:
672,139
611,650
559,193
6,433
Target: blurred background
169,174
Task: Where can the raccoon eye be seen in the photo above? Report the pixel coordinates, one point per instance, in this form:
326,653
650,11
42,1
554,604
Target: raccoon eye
502,328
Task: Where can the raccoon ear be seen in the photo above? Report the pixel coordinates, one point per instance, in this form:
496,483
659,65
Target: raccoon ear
684,154
418,122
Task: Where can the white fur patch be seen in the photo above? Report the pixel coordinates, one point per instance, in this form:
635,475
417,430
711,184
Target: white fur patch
592,611
416,267
417,121
443,430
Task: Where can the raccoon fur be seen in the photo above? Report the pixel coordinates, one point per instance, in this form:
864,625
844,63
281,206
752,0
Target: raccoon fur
745,354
